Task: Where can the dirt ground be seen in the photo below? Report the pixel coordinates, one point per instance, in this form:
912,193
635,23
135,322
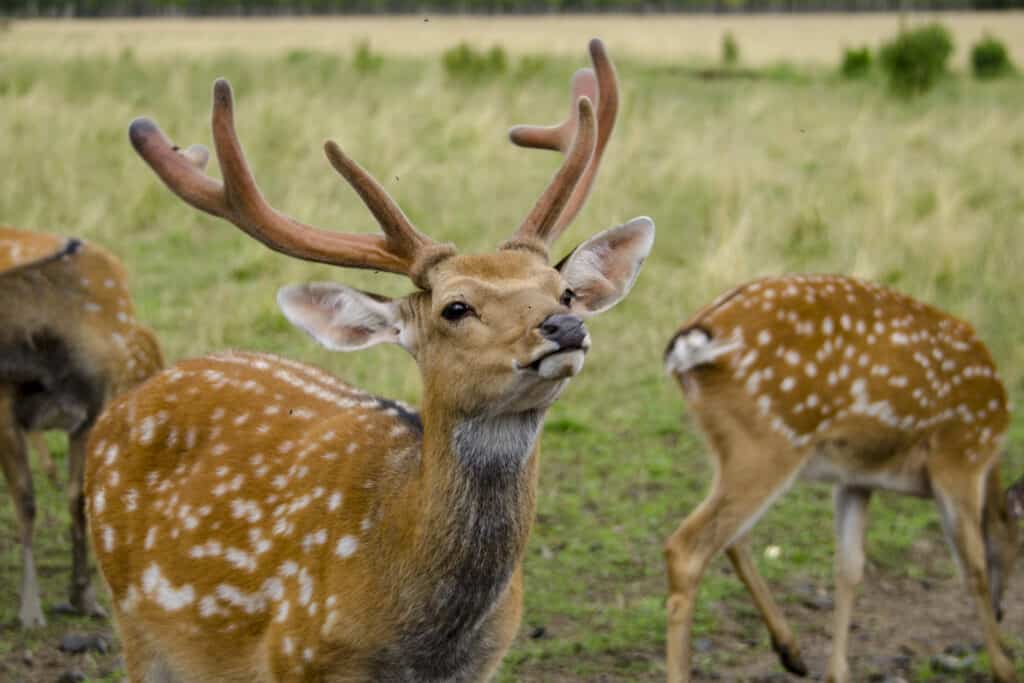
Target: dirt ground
900,624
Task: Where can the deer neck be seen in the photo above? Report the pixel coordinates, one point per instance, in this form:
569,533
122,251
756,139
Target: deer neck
475,490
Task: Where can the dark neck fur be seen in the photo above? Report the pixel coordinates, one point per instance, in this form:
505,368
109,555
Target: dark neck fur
490,508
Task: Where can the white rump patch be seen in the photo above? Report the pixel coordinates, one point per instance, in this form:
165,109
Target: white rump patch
696,348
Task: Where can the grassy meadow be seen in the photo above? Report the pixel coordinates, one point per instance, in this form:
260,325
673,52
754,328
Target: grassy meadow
794,171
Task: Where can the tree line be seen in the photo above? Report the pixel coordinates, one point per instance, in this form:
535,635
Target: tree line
141,8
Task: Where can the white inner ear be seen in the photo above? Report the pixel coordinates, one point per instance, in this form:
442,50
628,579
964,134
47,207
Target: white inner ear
603,269
344,319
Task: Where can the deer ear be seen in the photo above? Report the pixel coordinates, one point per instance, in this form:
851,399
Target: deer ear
1015,500
344,319
602,270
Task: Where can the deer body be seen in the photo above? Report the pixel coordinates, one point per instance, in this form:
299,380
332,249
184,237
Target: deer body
327,534
69,341
836,380
291,497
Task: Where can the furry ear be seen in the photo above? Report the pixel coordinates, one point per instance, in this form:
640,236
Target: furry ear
342,318
1015,500
602,270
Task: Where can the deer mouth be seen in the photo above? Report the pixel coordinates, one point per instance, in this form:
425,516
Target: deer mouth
559,362
535,365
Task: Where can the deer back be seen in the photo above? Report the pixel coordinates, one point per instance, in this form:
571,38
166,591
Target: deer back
821,358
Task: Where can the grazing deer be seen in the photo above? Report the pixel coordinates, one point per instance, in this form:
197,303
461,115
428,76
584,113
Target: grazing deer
837,380
69,341
258,519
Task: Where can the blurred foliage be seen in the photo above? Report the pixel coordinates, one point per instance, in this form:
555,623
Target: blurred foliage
990,58
365,60
856,62
91,8
466,62
730,50
916,58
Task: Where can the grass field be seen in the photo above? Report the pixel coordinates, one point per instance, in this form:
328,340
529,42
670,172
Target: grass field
797,171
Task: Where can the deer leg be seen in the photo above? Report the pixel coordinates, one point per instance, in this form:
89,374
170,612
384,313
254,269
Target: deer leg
960,505
783,641
37,440
83,598
739,496
998,545
14,459
851,506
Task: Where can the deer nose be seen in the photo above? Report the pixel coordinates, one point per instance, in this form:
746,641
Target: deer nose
565,330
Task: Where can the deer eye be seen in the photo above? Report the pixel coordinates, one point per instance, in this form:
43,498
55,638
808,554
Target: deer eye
455,311
567,296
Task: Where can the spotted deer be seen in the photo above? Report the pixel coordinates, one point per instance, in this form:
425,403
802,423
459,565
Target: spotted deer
837,380
69,341
257,519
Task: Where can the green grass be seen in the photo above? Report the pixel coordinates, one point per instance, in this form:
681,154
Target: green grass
792,173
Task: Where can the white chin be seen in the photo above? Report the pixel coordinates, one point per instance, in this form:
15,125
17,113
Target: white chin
561,365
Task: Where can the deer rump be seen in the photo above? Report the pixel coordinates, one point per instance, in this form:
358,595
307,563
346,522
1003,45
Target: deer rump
48,383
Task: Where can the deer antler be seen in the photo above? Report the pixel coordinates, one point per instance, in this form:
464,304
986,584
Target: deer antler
601,86
238,200
541,222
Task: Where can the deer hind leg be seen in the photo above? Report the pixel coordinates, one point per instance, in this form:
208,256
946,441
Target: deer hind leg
14,460
783,641
851,505
82,596
37,441
739,495
960,499
999,543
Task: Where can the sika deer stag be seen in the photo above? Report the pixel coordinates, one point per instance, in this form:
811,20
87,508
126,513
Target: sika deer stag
259,520
69,341
836,380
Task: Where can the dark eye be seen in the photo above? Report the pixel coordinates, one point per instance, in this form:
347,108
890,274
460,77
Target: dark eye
567,296
455,311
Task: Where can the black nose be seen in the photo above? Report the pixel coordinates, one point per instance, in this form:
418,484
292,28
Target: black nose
565,330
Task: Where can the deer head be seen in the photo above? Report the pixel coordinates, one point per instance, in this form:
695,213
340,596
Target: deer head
492,333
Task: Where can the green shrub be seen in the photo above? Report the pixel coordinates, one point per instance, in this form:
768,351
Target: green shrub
466,62
730,50
990,58
365,60
915,59
856,62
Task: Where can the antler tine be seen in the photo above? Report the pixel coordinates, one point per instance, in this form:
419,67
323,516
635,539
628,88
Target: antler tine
402,236
558,137
541,221
601,84
239,201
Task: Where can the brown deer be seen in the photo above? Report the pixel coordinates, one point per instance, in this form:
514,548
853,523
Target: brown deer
837,380
258,519
69,341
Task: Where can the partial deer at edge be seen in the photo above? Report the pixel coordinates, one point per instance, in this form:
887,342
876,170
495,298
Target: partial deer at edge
69,341
837,380
323,533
